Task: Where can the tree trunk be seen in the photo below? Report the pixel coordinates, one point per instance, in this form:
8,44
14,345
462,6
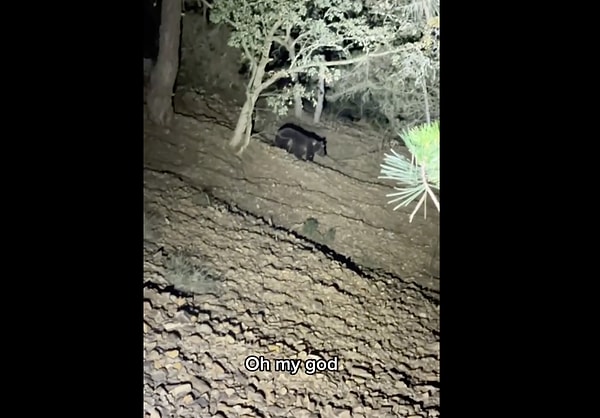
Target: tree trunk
298,105
162,78
244,123
320,96
243,128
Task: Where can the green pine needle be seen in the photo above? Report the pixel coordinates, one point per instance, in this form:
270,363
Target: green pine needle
416,178
424,144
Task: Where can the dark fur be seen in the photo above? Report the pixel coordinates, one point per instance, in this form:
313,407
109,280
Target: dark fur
300,142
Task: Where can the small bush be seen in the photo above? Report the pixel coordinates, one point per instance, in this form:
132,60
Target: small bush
187,276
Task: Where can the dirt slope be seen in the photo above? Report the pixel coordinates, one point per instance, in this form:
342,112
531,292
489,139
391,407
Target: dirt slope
241,260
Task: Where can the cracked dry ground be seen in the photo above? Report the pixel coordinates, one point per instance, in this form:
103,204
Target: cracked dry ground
272,294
